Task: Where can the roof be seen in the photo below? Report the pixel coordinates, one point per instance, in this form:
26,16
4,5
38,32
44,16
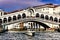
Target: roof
50,5
16,11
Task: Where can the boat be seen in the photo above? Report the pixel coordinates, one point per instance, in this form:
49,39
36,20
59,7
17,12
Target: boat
30,33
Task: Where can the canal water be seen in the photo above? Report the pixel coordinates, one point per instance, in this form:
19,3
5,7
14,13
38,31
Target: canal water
38,36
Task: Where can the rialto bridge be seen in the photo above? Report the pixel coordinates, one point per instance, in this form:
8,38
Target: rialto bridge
30,15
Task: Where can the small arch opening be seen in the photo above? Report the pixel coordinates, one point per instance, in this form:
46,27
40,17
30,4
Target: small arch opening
42,16
9,19
55,19
51,18
37,15
46,17
23,15
59,20
5,20
19,16
14,18
0,21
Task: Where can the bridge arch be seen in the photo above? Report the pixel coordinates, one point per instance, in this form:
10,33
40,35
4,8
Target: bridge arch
59,20
23,15
19,16
51,18
14,18
55,19
42,16
0,21
46,17
9,19
5,20
37,14
42,24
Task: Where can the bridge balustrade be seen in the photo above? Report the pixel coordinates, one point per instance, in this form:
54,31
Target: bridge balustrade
9,20
31,19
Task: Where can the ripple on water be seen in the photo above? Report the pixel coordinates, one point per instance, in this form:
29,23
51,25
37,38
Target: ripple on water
20,36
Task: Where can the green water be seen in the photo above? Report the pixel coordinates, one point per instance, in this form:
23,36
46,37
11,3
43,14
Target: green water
38,36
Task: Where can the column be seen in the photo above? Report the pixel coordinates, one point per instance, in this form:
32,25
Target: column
36,26
39,27
29,25
33,25
5,27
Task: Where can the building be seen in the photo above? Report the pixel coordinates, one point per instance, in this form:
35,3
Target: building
48,9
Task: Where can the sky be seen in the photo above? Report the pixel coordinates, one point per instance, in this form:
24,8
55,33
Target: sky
11,5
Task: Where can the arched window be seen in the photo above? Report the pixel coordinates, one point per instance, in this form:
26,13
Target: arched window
4,20
55,19
51,18
37,15
9,19
19,16
42,16
14,18
23,15
46,17
0,21
59,20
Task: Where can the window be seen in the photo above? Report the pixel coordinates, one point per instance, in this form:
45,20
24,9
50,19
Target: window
54,13
59,25
43,9
29,23
53,8
47,12
59,13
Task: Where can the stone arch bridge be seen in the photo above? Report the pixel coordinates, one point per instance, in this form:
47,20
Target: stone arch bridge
44,19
